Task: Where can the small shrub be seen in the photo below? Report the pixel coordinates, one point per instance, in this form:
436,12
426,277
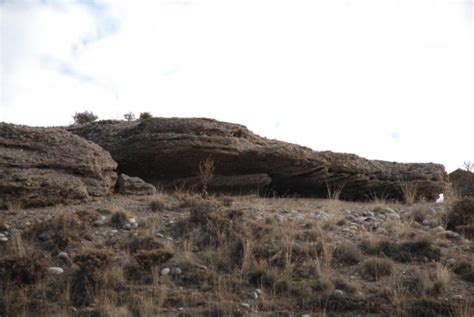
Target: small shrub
86,281
427,307
347,254
374,269
409,191
417,282
150,258
60,232
206,172
129,116
157,204
461,217
84,117
145,115
87,215
465,269
21,270
119,218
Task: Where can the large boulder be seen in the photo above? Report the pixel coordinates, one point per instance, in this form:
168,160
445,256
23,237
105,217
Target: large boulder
127,185
46,166
463,182
166,150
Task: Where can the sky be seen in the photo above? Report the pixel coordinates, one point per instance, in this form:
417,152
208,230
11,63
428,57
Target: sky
390,80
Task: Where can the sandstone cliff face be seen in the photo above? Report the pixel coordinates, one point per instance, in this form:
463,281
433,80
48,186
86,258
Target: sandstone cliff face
168,150
46,166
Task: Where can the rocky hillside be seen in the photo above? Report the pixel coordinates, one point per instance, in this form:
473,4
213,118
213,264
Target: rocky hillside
167,151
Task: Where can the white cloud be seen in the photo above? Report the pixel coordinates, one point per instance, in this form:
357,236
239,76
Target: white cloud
338,75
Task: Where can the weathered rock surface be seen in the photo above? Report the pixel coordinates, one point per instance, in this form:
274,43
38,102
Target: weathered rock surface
163,150
45,166
463,182
127,185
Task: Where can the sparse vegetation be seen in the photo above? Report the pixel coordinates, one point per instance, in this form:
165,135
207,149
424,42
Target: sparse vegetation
208,255
409,191
145,115
129,116
206,172
461,217
84,117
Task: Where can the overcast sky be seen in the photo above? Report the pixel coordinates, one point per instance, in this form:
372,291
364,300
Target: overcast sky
383,79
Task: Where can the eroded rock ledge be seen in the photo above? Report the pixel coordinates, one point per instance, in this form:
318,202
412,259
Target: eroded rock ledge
168,150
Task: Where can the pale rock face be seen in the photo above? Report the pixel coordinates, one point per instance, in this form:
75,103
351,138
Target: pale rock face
47,166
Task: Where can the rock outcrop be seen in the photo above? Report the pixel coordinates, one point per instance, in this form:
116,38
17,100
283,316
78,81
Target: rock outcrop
127,185
46,166
463,182
166,150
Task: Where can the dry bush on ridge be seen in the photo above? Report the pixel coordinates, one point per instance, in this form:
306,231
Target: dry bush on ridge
206,172
346,254
84,117
21,270
119,218
409,191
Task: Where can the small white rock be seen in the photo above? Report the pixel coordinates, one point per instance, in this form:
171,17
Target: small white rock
3,239
180,308
165,271
159,235
134,225
98,223
338,293
457,297
55,270
253,295
127,226
245,305
258,291
306,315
451,261
62,255
132,220
2,235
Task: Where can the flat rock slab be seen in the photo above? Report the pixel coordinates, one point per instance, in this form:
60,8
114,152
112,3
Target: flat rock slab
127,185
47,166
164,150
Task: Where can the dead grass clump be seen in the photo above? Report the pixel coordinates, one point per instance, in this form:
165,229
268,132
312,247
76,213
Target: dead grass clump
119,218
429,307
375,268
409,191
346,254
440,280
87,215
62,231
157,203
419,214
417,283
261,275
150,258
465,269
21,270
86,281
461,217
345,285
419,249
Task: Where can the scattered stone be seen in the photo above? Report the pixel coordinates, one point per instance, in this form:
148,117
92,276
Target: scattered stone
306,315
165,271
253,295
63,255
245,305
438,229
180,308
127,185
456,297
98,223
132,220
258,291
4,226
425,222
3,239
42,236
176,271
338,293
451,261
159,235
134,225
389,210
54,270
127,226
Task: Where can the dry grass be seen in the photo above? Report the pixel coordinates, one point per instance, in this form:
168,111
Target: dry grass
376,268
14,207
409,191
